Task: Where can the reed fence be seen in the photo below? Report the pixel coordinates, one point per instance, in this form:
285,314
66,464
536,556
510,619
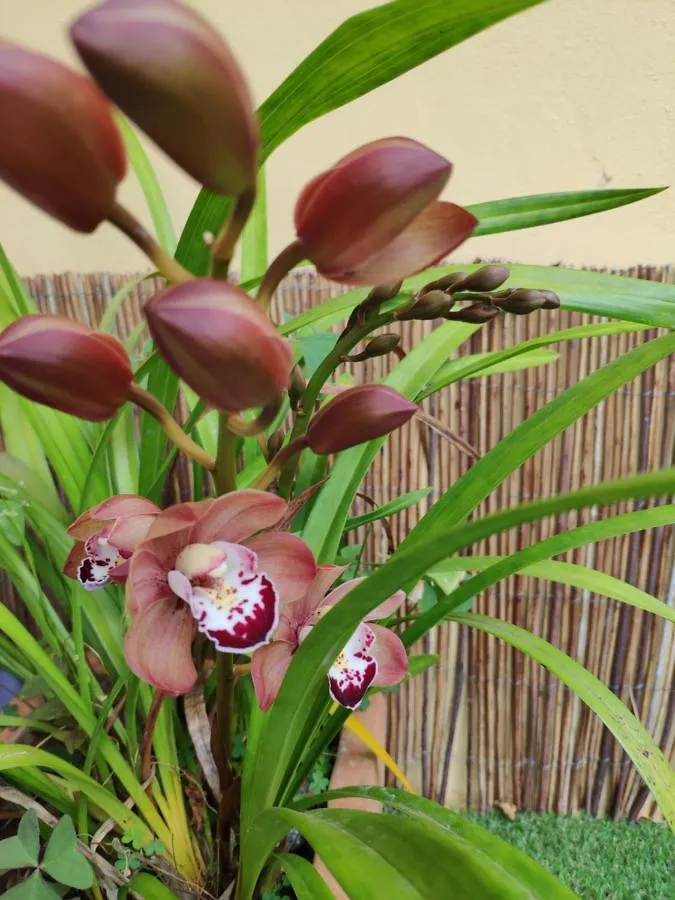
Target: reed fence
487,726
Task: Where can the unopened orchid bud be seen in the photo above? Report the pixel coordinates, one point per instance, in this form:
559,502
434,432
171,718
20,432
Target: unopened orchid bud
163,64
378,346
433,305
65,365
221,343
446,283
487,278
371,219
474,314
60,146
522,301
551,301
357,415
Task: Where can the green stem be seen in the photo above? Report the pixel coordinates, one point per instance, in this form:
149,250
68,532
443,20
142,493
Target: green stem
280,267
166,265
225,471
345,344
222,249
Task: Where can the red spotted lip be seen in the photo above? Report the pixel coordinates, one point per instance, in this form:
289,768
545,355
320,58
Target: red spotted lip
257,627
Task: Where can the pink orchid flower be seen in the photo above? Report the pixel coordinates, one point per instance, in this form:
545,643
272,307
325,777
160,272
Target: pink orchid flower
106,536
210,567
373,656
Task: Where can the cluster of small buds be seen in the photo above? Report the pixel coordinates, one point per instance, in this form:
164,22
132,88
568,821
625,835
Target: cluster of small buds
479,293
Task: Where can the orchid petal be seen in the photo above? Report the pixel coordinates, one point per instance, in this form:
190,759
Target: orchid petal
128,533
158,647
339,592
354,670
240,616
237,516
199,560
147,582
436,231
288,562
180,585
387,608
73,560
238,559
390,656
124,506
269,665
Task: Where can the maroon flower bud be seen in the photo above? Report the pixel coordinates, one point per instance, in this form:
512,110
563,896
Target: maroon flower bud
370,219
357,415
175,77
221,343
60,146
487,278
522,301
432,305
446,283
65,365
551,301
378,346
474,314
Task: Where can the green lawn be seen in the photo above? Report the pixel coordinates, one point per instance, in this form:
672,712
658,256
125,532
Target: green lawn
598,859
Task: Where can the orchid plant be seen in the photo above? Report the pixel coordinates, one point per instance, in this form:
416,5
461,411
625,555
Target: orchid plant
193,622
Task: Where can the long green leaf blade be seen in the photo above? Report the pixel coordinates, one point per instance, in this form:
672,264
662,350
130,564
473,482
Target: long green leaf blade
515,213
634,738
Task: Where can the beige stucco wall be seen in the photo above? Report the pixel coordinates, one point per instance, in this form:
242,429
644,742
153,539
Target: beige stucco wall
573,94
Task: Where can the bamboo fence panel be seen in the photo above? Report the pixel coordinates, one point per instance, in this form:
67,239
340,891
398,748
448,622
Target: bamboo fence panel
487,726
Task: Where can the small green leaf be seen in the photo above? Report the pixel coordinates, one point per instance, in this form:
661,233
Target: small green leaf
13,854
388,509
420,663
29,834
63,861
150,888
315,348
33,888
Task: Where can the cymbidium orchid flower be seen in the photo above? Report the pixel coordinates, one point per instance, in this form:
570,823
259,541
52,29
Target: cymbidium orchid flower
210,567
106,537
373,656
373,217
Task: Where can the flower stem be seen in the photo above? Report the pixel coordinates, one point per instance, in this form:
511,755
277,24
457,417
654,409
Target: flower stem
280,267
146,746
276,465
174,432
222,249
345,344
130,226
225,472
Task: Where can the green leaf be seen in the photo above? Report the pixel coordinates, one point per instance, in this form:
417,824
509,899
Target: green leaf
304,878
14,855
400,36
534,433
420,663
29,834
13,287
254,238
516,213
517,869
315,348
631,734
500,360
63,861
388,509
149,887
152,191
33,888
374,855
305,682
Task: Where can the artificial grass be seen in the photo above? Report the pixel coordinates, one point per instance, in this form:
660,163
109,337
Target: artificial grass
596,858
